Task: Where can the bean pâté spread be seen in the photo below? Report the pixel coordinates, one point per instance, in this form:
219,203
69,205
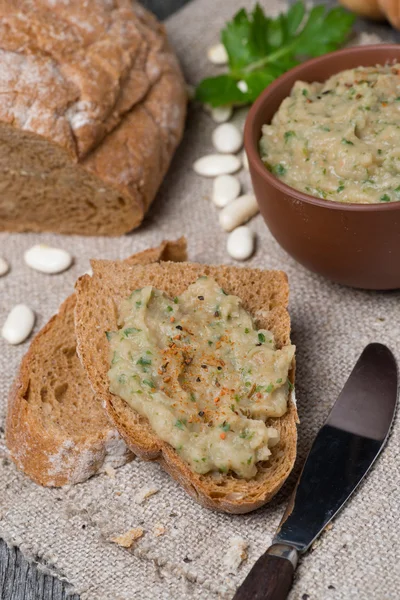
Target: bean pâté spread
206,379
339,140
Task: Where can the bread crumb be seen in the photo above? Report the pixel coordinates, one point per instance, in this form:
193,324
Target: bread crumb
329,527
126,540
315,545
110,471
145,493
236,553
159,529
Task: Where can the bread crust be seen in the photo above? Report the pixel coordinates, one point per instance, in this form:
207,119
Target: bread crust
263,293
41,435
97,84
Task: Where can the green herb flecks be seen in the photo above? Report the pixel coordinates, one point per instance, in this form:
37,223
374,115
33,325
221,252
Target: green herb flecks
347,142
385,198
130,331
180,423
149,382
261,338
143,361
225,426
246,434
261,48
288,134
279,170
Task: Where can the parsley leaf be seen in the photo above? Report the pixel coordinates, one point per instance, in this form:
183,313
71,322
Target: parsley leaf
261,48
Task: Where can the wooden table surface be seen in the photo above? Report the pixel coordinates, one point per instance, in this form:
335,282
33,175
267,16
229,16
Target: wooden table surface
20,580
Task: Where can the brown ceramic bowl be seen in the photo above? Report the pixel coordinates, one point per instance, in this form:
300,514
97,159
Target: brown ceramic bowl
354,244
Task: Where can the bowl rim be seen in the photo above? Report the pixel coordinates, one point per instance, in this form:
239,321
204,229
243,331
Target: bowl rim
253,152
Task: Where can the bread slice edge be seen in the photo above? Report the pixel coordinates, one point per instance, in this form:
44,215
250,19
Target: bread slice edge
59,460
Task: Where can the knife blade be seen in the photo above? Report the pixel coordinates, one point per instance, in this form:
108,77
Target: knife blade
341,455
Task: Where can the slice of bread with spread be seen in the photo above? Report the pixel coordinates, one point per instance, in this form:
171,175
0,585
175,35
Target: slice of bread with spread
57,431
92,108
264,294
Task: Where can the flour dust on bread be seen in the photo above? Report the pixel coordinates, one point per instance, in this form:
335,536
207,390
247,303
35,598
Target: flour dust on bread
264,294
92,108
57,431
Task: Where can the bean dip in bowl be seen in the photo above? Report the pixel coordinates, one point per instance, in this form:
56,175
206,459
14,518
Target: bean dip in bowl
324,156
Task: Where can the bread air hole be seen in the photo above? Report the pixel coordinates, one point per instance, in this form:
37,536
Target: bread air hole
60,392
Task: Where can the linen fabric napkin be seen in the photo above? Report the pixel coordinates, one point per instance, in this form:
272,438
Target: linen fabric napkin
69,530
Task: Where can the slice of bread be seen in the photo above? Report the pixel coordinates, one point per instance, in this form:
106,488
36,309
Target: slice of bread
263,293
56,430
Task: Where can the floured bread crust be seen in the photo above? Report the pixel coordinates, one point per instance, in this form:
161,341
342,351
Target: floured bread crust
92,107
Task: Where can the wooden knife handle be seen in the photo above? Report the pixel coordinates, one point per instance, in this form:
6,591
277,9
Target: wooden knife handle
271,577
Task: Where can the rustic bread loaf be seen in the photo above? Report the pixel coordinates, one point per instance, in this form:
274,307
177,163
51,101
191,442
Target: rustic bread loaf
263,293
56,430
92,107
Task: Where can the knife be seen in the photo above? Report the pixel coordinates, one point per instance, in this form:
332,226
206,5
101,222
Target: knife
342,453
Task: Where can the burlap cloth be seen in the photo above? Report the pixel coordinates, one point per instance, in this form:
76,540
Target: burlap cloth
68,529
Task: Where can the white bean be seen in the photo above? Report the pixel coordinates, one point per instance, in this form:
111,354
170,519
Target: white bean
245,161
4,267
240,244
238,212
217,164
19,324
225,189
47,260
227,138
221,114
218,55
